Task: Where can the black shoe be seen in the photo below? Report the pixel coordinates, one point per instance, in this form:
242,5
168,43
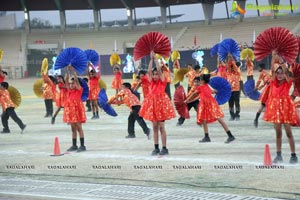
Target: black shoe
5,131
23,128
94,117
53,120
81,148
149,134
164,152
230,139
97,117
205,139
72,148
179,123
231,119
277,159
155,152
130,136
293,160
237,118
255,123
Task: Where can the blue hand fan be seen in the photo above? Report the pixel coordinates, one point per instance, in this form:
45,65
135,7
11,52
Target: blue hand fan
249,90
72,56
102,101
85,92
229,46
92,56
214,50
223,89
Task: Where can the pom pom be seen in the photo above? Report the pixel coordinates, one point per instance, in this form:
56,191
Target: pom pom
249,90
92,56
85,92
1,53
175,55
229,46
72,56
103,103
15,95
102,84
214,50
247,53
38,88
114,59
44,68
223,89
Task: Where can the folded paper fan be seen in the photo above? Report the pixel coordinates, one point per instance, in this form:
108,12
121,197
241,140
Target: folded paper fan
92,56
214,50
85,92
298,38
229,46
38,88
102,84
175,55
44,68
152,41
296,69
103,103
247,53
277,39
1,53
15,95
249,90
223,89
74,57
179,98
114,59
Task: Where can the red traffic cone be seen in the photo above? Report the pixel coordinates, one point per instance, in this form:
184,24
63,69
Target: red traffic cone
56,151
267,156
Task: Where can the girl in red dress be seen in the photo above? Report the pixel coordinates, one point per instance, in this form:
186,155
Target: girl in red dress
74,113
117,81
157,106
94,90
60,96
280,110
208,110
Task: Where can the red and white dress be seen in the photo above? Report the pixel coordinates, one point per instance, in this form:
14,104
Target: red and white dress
280,107
157,106
117,81
208,108
94,88
74,110
61,95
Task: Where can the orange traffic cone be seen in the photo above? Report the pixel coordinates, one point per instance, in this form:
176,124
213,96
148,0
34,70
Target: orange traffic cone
267,156
56,151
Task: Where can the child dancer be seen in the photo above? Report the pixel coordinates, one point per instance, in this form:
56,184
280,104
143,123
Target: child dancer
264,78
280,110
74,113
94,90
193,99
157,106
233,77
88,102
144,83
117,81
208,110
127,97
8,109
61,96
48,93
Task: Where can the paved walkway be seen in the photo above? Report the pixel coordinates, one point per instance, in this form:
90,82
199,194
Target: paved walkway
14,187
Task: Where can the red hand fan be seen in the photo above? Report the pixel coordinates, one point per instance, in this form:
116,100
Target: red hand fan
181,107
152,41
279,39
